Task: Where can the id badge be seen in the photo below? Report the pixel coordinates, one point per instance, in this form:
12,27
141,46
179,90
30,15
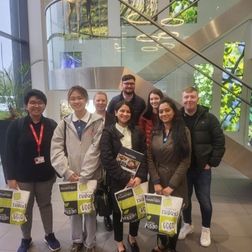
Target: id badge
39,160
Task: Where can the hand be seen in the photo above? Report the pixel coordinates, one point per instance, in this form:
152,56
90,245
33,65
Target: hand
136,181
158,189
74,177
130,183
167,191
207,167
13,184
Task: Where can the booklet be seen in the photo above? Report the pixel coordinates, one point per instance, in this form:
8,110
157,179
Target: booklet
129,159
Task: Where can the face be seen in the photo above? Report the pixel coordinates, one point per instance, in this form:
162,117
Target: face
100,103
154,100
190,101
166,113
77,101
128,86
35,106
123,115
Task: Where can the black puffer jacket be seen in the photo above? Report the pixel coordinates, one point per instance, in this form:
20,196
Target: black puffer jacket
208,140
110,145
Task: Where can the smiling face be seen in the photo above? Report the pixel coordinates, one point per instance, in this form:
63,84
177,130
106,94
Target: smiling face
77,102
35,107
166,113
154,101
190,101
128,86
123,115
100,102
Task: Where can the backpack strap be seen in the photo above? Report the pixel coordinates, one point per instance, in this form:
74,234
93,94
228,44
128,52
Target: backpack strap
65,149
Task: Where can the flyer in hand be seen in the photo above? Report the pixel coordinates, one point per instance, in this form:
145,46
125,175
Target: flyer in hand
129,159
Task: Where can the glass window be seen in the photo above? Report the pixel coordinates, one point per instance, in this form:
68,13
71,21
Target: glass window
5,24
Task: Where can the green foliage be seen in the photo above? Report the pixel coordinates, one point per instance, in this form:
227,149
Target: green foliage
204,84
189,16
11,92
233,61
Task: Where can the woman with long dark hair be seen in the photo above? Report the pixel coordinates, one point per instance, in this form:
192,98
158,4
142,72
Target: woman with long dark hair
122,133
168,161
149,119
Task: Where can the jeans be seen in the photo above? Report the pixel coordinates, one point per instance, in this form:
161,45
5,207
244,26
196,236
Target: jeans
201,181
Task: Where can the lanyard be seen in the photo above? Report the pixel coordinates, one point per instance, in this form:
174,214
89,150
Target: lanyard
38,140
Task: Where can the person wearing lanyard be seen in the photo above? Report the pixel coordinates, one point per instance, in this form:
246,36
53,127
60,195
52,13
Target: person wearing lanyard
29,167
168,161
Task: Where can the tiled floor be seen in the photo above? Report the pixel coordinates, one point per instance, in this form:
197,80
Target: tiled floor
231,223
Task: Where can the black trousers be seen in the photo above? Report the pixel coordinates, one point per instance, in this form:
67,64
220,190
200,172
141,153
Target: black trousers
118,227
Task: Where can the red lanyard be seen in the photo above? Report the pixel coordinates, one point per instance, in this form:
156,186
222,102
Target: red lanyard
38,140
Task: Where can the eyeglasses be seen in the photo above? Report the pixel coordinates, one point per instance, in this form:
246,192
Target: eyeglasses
129,83
34,103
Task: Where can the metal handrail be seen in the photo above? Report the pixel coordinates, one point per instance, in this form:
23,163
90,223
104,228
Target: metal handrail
188,63
184,44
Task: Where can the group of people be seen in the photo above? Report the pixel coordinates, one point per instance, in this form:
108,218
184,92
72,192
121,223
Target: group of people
179,145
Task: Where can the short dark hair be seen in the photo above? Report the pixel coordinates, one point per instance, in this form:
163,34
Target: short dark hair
128,77
78,89
37,93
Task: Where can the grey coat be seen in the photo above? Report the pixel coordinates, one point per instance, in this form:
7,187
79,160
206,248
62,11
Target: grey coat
83,155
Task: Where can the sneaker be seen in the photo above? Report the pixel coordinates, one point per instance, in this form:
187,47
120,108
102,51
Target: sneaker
205,238
185,230
52,243
76,247
25,245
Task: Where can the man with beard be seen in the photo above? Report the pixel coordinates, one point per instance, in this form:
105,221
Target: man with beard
128,94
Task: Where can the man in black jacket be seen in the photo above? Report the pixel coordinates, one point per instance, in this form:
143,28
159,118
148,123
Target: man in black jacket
208,147
128,94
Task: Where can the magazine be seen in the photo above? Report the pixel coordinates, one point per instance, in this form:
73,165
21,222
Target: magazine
129,159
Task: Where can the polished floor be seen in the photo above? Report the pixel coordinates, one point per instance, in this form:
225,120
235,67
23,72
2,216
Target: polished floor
231,222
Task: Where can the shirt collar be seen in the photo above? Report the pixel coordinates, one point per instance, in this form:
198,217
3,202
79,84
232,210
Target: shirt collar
85,118
121,129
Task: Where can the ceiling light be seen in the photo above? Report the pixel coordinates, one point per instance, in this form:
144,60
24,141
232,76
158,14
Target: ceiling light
131,15
144,38
167,22
149,49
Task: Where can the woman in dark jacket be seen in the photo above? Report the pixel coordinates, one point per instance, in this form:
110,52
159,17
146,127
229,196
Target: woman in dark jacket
168,161
113,138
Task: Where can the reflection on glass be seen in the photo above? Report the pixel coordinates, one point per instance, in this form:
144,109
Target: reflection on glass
146,7
70,60
230,111
204,84
189,15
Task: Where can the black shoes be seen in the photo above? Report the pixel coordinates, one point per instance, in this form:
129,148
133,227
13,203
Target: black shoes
108,223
